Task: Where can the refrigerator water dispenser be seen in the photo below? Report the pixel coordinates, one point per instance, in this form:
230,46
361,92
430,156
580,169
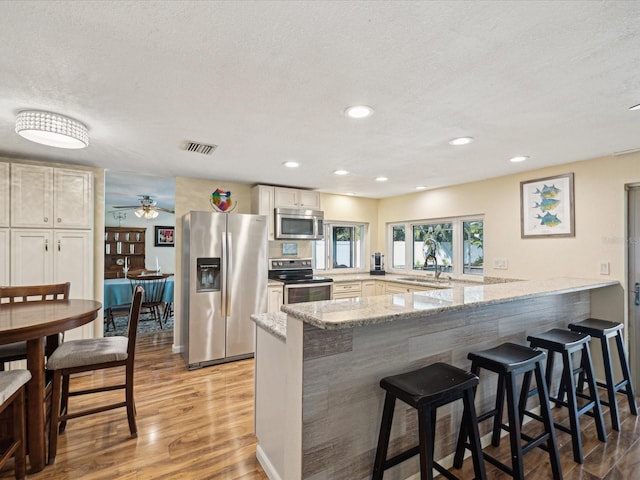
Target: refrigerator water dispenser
208,274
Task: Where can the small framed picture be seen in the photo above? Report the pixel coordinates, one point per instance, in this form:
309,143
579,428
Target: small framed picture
289,249
165,236
547,207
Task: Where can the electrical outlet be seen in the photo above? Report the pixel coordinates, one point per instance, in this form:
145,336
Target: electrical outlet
500,264
604,268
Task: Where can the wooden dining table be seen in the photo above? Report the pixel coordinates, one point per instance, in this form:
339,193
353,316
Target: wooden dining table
33,322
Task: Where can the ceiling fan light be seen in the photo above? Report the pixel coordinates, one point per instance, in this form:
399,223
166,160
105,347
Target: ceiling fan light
139,212
151,214
51,129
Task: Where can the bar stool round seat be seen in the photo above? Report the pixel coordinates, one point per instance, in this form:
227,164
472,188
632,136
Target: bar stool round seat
426,389
566,343
509,360
604,330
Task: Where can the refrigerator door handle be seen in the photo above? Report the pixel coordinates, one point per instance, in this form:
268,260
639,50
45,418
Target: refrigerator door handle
224,275
228,243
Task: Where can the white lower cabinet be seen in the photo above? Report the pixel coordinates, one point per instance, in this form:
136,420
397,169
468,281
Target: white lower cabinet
275,296
369,288
347,290
41,256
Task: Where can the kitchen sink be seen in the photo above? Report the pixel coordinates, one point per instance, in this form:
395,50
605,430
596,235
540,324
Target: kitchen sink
426,281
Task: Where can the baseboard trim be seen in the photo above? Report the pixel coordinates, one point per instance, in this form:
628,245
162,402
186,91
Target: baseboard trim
268,468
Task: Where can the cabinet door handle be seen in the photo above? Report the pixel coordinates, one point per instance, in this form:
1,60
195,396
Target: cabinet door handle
46,219
59,220
46,245
58,245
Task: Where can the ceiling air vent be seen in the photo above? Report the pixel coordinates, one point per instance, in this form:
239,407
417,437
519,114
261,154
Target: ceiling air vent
199,148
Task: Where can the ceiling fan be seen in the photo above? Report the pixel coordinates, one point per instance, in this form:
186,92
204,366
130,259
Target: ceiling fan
147,208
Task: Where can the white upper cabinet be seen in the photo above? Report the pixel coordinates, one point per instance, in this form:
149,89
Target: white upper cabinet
262,204
73,195
31,196
4,194
51,197
293,198
4,256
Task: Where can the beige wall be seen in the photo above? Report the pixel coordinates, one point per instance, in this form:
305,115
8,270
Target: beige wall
600,219
194,194
353,209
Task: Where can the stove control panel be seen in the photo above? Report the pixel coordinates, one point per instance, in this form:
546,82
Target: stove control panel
289,263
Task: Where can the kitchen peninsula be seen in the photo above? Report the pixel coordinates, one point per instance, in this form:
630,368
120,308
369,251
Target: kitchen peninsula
318,365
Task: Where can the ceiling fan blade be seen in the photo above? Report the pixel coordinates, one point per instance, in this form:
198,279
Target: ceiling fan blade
162,209
127,206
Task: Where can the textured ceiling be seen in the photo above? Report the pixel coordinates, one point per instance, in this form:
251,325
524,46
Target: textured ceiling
268,82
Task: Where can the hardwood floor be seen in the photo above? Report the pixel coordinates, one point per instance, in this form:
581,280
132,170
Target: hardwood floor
199,425
191,425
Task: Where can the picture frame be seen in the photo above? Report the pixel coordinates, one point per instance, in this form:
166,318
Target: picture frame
164,236
289,249
547,207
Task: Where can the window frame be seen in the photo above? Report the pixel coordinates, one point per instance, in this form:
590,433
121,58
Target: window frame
457,246
329,251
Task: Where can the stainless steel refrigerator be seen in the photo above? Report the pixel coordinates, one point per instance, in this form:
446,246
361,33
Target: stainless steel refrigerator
224,281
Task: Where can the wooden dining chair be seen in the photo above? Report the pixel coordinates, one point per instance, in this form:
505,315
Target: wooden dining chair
87,355
12,386
154,286
28,293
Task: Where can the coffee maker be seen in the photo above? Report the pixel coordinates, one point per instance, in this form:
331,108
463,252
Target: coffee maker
377,264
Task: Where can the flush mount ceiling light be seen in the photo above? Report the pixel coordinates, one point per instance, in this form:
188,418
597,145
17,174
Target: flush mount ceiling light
341,172
635,107
51,129
519,158
358,111
381,179
456,142
291,164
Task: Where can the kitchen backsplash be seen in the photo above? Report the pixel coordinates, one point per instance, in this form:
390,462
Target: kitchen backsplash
304,249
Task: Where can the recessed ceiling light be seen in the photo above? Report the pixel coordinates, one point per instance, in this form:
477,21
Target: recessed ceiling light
519,158
635,107
341,172
421,187
460,141
381,179
358,111
351,194
291,164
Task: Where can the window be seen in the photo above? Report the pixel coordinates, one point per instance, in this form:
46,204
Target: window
341,248
453,246
473,247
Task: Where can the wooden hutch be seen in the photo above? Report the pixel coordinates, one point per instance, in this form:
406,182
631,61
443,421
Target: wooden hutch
121,243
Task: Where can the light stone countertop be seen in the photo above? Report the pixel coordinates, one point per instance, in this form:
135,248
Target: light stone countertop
355,312
274,283
275,323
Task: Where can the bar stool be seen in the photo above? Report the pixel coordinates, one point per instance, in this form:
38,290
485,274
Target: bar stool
510,360
604,330
566,342
426,389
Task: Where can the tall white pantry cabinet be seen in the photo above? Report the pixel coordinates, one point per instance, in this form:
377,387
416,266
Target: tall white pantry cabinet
50,234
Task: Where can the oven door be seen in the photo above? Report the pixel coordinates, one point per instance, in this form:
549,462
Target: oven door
307,292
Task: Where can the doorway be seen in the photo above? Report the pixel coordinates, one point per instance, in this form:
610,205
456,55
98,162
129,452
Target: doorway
633,281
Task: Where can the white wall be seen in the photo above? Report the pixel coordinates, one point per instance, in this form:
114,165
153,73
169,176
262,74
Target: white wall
166,255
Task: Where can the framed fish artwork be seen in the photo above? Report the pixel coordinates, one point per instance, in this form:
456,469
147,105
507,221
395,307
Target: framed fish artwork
546,207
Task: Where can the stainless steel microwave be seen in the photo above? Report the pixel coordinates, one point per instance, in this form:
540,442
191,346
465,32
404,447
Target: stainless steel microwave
298,224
